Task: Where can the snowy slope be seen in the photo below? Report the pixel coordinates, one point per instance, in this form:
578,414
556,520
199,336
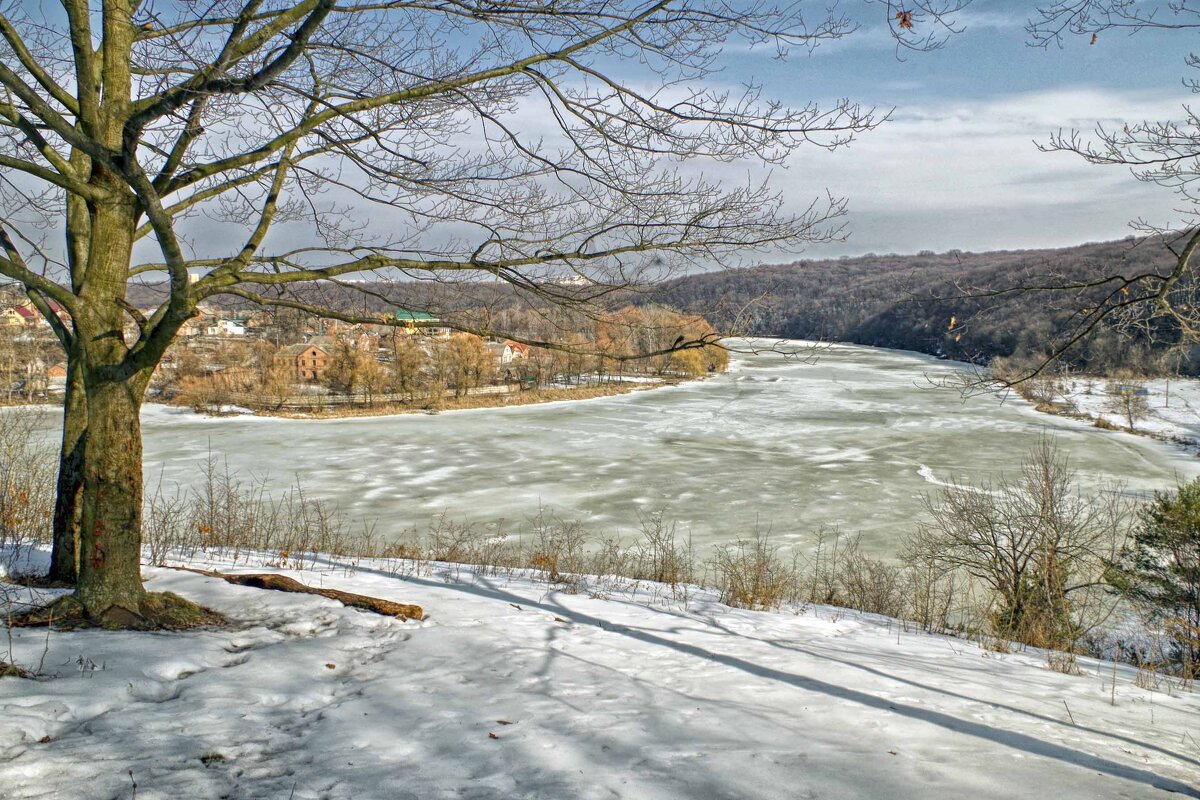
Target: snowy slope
633,696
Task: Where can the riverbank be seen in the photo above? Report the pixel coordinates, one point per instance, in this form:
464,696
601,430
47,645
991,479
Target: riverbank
1166,409
475,401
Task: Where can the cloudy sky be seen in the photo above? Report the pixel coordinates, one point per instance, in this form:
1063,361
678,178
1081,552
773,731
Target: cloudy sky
957,165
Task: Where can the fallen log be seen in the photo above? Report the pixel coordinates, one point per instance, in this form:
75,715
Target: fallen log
282,583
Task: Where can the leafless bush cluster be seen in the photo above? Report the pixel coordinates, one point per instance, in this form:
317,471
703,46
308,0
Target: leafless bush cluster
1036,546
28,465
226,516
225,513
839,573
754,573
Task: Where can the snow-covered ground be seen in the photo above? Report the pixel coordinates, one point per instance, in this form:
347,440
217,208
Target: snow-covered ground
1172,407
511,689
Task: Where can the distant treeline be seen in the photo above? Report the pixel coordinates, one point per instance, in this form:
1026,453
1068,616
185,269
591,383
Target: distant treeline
928,302
931,303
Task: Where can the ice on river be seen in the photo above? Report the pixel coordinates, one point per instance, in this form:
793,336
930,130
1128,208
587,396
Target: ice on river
853,440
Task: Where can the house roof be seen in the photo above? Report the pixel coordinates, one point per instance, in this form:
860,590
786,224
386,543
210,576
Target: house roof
415,316
297,349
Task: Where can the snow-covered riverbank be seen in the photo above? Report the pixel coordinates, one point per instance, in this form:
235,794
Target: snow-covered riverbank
1167,409
510,689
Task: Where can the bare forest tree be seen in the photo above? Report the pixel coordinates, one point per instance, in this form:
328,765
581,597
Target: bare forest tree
250,148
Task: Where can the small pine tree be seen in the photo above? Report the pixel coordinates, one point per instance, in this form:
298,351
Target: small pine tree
1160,569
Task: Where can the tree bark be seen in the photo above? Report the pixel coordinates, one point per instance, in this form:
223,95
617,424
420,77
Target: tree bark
64,558
110,534
110,528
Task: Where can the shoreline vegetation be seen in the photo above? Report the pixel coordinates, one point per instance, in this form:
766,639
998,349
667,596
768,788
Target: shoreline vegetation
944,580
1163,409
469,402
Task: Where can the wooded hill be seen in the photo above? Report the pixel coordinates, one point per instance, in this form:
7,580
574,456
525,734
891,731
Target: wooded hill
929,303
897,301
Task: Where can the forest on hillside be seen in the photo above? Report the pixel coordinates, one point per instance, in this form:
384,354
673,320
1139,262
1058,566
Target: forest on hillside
944,304
935,303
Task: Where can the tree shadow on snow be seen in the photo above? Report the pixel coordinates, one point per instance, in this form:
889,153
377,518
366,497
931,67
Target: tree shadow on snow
483,587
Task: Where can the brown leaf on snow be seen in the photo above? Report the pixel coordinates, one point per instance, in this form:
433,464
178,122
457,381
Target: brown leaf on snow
492,735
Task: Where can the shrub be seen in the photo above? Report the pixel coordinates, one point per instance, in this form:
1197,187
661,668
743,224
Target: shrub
1159,569
1038,546
751,573
28,472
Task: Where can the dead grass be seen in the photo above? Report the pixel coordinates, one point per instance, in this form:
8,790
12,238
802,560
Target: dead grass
13,671
155,611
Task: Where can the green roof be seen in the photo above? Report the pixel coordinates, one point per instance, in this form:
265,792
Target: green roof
415,316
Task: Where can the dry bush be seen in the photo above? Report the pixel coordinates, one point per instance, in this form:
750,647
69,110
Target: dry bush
1062,661
28,473
226,515
659,554
1037,544
872,585
934,596
557,547
821,569
752,573
467,543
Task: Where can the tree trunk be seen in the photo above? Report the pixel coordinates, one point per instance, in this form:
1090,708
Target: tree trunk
110,534
64,558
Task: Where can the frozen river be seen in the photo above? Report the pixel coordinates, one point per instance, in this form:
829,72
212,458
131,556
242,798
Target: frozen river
852,441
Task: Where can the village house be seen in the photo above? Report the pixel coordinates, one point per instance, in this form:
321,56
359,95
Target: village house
508,351
308,360
222,326
421,322
25,313
56,378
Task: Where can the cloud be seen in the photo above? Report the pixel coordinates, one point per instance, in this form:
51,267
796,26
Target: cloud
968,174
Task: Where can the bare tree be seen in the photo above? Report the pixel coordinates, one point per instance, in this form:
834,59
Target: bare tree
251,148
1128,400
1038,544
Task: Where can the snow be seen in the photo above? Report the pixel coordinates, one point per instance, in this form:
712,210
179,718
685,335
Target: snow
618,691
1173,406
